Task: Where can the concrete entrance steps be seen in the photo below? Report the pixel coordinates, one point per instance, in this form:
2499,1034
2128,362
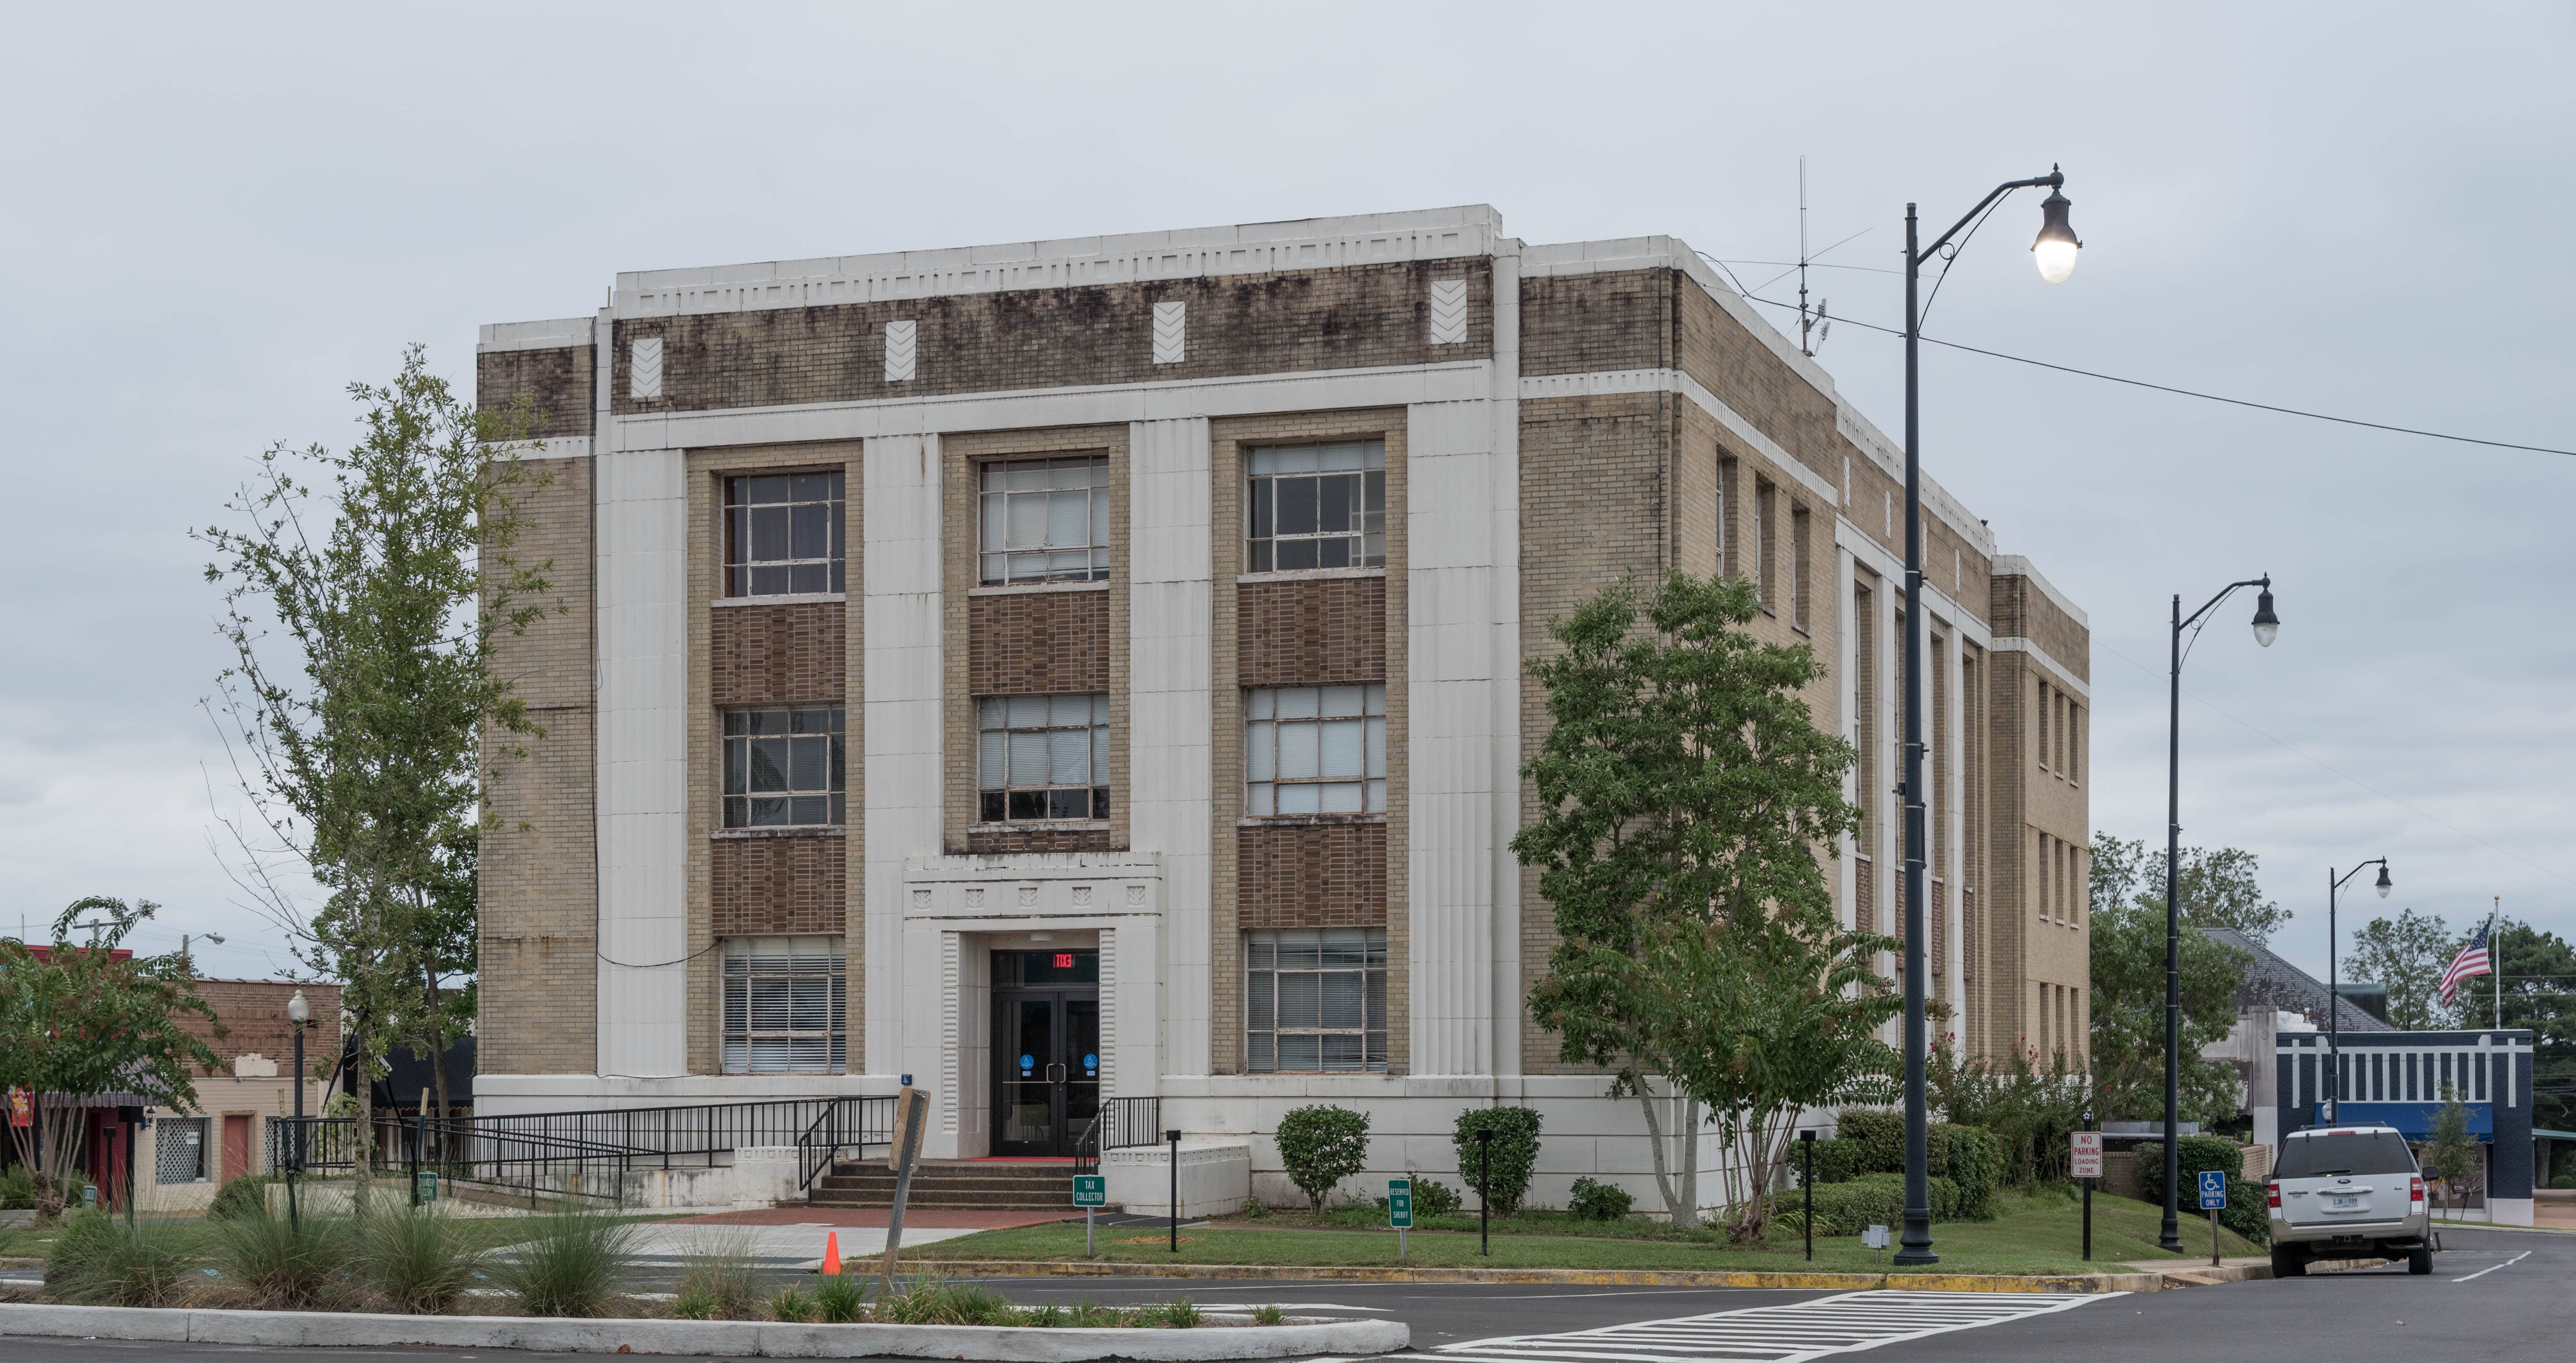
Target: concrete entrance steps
989,1184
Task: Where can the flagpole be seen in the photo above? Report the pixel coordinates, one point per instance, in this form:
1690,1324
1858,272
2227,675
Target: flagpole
2495,957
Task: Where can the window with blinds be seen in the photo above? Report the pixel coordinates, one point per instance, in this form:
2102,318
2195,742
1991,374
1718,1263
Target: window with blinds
786,1005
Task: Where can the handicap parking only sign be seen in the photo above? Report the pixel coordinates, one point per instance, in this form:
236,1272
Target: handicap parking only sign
2213,1191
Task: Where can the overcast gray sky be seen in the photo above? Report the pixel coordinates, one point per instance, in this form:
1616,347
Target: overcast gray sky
215,218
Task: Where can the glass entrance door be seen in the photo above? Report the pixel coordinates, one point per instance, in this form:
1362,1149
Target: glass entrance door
1046,1050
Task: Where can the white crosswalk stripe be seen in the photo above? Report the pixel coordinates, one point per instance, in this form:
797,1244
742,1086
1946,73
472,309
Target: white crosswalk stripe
1791,1333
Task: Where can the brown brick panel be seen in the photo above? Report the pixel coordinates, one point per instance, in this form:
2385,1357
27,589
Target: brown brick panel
792,654
1312,631
1349,317
1576,324
253,1014
1318,875
993,842
556,385
1037,643
780,885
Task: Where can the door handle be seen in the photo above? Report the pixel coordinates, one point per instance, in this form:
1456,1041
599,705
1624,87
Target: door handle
1055,1073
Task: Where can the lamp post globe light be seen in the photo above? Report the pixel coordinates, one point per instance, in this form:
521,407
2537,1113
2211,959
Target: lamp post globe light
2267,627
2334,992
298,1015
2054,252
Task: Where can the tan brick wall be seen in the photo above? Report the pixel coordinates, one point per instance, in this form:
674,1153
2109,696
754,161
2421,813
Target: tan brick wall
538,874
253,1015
555,383
794,654
1318,873
1037,643
780,654
1311,631
2022,610
1075,632
1349,317
1229,439
768,884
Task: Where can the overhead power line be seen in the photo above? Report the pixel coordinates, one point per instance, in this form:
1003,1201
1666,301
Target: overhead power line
2187,392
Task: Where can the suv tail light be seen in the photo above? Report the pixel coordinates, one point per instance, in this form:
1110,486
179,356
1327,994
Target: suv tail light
2272,1194
2415,1190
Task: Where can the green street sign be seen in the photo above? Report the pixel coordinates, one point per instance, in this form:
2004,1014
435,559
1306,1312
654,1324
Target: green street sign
1090,1190
1399,1203
427,1182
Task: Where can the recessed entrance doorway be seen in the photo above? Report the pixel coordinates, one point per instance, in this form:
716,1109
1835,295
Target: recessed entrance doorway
1046,1049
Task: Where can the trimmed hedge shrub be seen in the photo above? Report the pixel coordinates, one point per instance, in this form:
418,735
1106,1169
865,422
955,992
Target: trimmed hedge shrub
1513,1158
243,1196
1874,1142
1322,1145
1836,1160
1870,1199
2248,1212
1600,1201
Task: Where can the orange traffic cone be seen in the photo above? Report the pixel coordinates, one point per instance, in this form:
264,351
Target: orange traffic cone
832,1253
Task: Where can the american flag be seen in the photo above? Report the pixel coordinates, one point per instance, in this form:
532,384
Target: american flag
2471,961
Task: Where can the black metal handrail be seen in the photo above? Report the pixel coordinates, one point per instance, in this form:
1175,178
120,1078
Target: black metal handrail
848,1123
1120,1123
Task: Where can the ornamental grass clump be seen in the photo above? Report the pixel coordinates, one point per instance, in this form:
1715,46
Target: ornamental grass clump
718,1280
937,1301
841,1298
791,1306
420,1258
572,1266
101,1261
283,1264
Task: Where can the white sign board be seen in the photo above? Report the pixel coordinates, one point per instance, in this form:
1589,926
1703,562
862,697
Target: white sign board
2087,1162
1875,1237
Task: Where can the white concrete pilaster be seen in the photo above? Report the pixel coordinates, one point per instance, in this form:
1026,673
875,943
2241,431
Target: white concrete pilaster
900,715
643,768
1505,413
1170,595
1954,738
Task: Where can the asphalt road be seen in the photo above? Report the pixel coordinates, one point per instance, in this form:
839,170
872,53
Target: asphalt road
2493,1295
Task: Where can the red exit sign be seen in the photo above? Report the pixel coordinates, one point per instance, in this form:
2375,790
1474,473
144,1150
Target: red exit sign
1064,960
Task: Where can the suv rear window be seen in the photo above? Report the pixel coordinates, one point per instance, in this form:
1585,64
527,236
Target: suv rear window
2358,1152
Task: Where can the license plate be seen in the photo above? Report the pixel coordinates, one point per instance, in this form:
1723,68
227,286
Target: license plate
2345,1204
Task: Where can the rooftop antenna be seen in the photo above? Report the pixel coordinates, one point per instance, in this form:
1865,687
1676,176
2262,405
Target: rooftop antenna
1812,327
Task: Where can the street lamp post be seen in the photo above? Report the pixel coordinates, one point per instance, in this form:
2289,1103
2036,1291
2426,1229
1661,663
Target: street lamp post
2334,996
2266,627
2054,252
298,1013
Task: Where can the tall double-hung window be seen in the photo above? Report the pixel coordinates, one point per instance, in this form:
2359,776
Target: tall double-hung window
784,766
1315,1000
1316,506
785,534
1043,757
1045,520
1315,750
786,1005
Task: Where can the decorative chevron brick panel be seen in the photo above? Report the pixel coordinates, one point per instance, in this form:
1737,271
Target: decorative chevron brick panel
900,345
1037,643
644,368
1327,873
1448,311
1311,631
778,655
780,885
1171,329
555,385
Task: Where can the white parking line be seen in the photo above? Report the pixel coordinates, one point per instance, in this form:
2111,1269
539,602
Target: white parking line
1791,1332
2493,1267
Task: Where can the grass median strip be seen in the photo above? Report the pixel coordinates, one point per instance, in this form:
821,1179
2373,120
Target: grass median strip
2034,1234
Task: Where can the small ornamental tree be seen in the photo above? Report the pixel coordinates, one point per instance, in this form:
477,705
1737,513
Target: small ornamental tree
81,1021
2452,1156
1688,803
1511,1161
1320,1146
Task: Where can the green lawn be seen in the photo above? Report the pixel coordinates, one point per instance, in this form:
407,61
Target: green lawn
2039,1233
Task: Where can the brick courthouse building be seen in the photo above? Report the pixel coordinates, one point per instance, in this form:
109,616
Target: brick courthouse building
1094,668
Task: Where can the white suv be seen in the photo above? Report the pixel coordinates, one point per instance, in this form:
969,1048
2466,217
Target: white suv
2347,1192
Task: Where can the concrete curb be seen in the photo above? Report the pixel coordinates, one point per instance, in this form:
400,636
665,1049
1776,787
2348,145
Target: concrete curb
739,1339
1576,1277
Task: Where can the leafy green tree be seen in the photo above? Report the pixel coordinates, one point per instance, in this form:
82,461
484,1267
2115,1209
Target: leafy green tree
80,1021
2129,1014
2408,954
2451,1155
362,590
1687,801
2539,973
2214,888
